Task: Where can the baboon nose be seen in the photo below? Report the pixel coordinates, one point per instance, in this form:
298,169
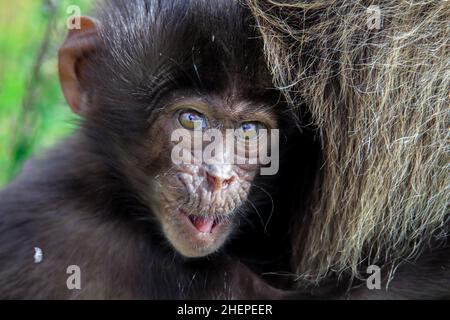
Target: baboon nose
217,183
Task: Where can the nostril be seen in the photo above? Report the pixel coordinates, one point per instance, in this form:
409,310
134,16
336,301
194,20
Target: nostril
227,182
218,183
214,182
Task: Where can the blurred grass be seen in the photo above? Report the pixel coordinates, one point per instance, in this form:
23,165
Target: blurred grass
33,112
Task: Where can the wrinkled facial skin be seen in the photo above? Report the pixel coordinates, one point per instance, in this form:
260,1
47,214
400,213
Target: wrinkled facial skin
197,204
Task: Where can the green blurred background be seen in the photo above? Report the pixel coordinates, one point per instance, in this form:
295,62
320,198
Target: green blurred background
33,112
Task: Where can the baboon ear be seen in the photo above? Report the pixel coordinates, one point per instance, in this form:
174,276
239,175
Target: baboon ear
78,45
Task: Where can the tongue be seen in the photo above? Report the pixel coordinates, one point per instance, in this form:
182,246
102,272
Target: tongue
203,224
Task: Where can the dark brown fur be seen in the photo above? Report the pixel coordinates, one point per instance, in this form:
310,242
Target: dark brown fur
84,202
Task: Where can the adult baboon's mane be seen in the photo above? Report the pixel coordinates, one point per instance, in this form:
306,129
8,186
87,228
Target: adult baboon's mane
379,98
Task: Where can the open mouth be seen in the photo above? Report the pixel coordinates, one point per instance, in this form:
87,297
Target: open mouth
198,235
202,224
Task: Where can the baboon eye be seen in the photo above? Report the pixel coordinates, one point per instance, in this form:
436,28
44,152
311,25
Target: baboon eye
249,130
192,120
